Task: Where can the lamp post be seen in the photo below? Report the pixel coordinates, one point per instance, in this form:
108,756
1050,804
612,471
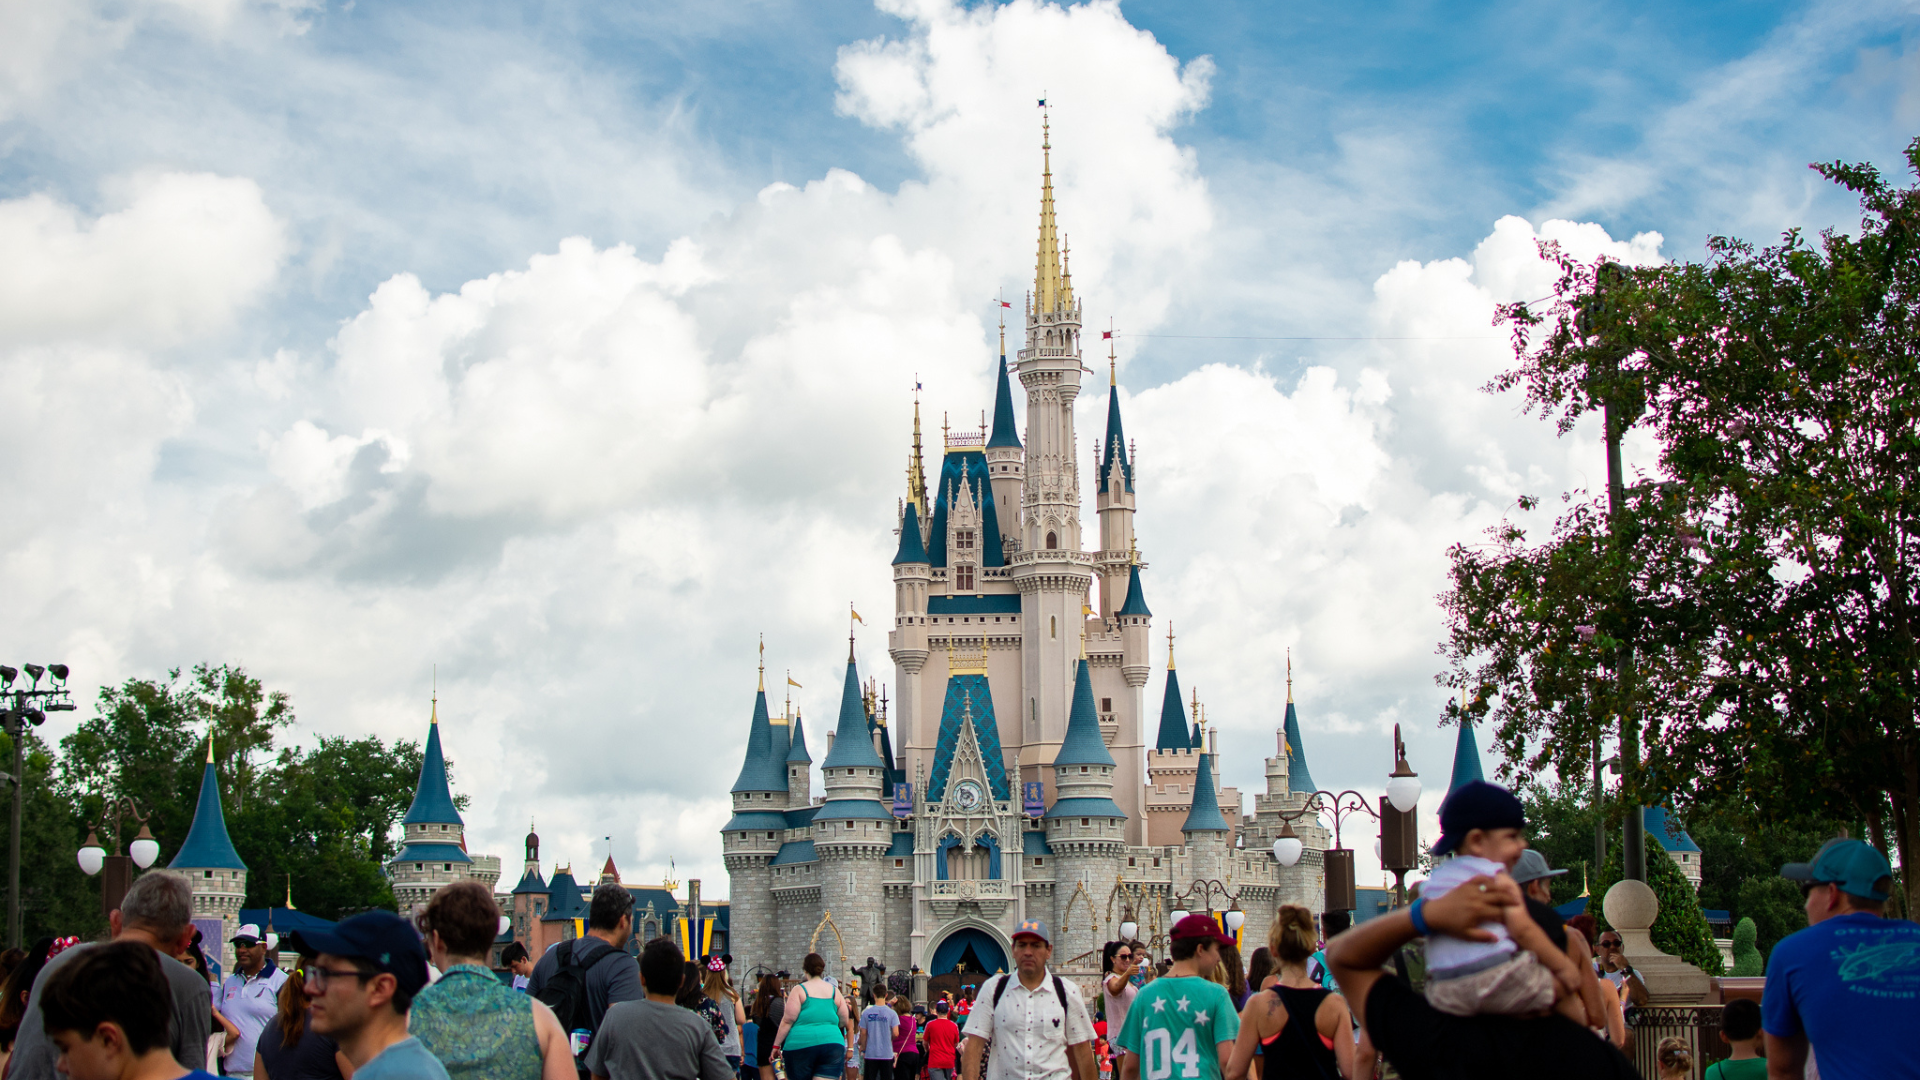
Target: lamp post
116,870
1203,890
25,708
1399,830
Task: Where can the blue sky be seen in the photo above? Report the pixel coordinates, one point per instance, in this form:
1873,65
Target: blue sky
314,379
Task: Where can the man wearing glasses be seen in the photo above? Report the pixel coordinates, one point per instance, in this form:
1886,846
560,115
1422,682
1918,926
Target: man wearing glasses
360,987
1612,966
1848,986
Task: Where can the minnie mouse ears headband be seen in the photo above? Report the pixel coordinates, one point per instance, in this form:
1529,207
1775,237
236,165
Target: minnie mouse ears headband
715,963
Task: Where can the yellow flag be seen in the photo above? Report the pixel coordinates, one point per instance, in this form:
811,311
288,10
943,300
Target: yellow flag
790,682
857,618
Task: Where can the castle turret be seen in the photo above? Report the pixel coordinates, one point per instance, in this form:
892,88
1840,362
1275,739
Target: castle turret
752,837
1206,830
434,849
530,898
1466,757
799,767
1114,502
1050,570
1172,762
907,643
207,860
1298,778
853,829
1086,829
1006,458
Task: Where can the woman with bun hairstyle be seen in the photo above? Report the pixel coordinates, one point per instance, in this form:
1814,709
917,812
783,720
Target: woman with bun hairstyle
814,1026
1298,1027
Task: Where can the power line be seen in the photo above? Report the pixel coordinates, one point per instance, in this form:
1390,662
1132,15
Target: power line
1254,337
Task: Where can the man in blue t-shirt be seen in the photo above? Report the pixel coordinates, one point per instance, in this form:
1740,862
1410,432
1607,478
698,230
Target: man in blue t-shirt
1849,984
879,1027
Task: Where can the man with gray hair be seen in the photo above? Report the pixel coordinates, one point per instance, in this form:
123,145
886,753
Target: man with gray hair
157,912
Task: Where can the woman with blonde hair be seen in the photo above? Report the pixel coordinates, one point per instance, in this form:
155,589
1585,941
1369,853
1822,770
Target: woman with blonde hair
720,989
1298,1027
1676,1059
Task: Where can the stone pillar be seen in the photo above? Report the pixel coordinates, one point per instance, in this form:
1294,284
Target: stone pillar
1631,907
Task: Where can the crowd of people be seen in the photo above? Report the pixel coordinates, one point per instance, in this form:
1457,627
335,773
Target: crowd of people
1477,976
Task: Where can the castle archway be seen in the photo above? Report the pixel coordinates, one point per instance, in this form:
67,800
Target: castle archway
969,949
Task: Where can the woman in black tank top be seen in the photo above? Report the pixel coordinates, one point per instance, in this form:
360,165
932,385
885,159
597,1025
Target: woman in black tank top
1300,1030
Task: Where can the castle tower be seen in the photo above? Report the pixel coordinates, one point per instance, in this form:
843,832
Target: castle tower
1114,502
1466,758
912,582
799,767
1051,572
434,841
853,828
530,898
207,860
1205,830
752,837
1006,458
1086,829
1171,763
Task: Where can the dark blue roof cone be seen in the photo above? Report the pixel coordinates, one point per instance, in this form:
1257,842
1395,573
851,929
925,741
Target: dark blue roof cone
432,800
208,846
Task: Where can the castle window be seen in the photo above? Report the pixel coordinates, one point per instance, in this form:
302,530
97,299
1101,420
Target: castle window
1039,862
769,836
899,862
963,578
419,866
1083,768
1106,704
1129,860
209,873
1053,621
1086,821
1053,541
963,539
448,867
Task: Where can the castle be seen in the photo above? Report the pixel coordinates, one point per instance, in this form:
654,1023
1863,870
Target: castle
1023,785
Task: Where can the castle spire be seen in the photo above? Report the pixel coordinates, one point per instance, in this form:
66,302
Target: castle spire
1204,814
1298,778
1004,432
432,799
916,467
1173,712
1466,757
1116,464
760,771
207,845
1051,290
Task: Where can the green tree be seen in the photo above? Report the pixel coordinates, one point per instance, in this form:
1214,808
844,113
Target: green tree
1560,825
56,898
1747,961
1766,581
1776,908
1679,929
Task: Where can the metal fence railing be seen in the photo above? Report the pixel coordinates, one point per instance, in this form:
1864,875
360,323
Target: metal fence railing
1699,1025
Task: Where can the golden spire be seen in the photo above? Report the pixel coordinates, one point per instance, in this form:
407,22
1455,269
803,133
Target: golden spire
1289,675
1002,309
1113,363
1066,272
209,746
290,906
435,718
763,663
916,471
1169,644
1050,291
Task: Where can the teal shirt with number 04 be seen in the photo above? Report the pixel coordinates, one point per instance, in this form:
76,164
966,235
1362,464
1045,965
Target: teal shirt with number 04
1176,1026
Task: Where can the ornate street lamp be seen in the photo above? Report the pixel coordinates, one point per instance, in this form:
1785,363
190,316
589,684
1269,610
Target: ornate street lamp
116,870
1399,831
19,710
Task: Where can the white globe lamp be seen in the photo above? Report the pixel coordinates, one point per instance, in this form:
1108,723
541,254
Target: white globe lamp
1235,920
144,849
1177,914
91,855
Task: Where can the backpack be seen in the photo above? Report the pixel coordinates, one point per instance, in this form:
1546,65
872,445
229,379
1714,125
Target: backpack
1059,990
566,992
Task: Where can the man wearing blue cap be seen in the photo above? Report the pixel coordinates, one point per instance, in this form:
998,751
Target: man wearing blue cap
1849,984
360,987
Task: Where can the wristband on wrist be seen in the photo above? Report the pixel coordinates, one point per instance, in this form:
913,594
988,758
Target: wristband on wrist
1419,917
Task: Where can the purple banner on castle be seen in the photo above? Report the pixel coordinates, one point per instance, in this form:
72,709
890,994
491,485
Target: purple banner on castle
1035,798
902,800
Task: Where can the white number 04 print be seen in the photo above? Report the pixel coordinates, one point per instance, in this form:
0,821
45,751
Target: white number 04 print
1162,1054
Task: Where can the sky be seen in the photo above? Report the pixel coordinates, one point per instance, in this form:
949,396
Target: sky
558,352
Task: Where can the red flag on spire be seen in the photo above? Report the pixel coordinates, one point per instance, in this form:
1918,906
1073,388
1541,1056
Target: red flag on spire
1005,304
1105,334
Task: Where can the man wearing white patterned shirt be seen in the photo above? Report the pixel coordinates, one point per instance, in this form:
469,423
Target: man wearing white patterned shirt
1037,1021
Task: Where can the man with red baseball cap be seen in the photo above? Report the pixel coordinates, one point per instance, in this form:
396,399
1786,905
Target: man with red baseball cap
1183,1024
1037,1022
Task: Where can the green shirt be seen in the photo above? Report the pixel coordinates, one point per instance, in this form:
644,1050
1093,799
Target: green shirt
1176,1026
1753,1068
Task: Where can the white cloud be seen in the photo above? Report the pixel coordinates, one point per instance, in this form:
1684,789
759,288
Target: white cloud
183,256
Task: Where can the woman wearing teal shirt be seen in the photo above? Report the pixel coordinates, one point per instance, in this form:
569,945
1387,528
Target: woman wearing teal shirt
479,1027
813,1030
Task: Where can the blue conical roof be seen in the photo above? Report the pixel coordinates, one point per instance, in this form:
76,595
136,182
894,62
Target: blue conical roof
1003,431
761,771
1204,815
1136,602
1656,823
1199,740
1298,778
530,882
798,751
1466,758
208,847
1115,452
1173,717
912,549
782,744
852,744
1083,744
432,800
